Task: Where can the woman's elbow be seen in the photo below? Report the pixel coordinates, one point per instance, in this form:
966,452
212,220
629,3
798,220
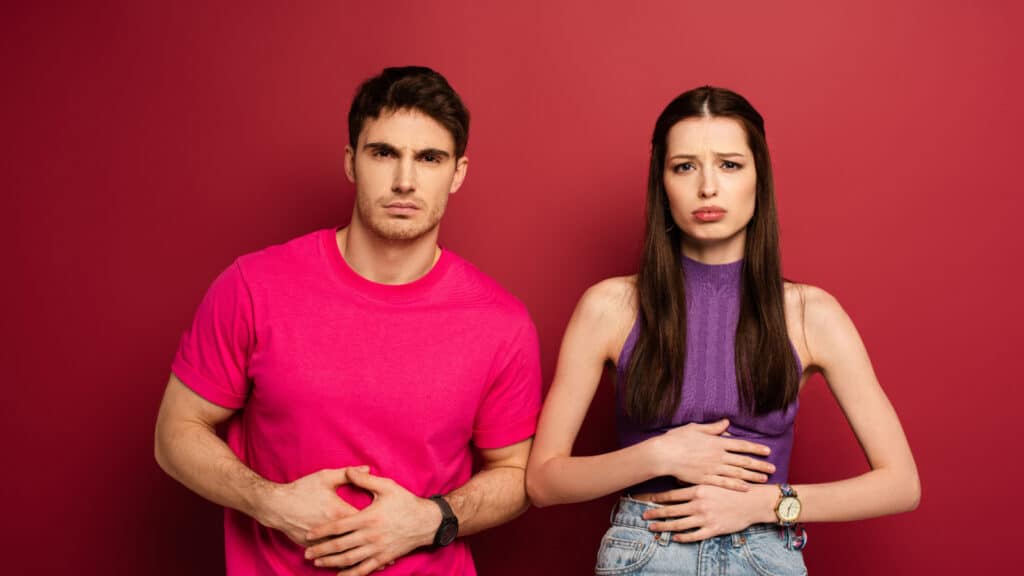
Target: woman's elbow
913,497
535,492
907,492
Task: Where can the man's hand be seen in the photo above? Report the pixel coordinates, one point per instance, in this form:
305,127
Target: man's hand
297,507
396,523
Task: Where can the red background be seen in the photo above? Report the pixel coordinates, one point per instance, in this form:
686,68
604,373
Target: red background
146,145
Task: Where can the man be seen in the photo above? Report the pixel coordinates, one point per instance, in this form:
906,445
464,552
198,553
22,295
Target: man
355,367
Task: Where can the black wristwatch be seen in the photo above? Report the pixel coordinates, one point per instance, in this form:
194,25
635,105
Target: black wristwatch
449,527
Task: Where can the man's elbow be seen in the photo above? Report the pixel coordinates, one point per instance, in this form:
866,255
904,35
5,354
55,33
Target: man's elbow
159,450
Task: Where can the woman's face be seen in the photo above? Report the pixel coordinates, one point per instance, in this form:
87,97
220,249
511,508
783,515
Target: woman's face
711,184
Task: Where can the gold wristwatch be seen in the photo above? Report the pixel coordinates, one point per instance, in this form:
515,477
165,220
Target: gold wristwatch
788,508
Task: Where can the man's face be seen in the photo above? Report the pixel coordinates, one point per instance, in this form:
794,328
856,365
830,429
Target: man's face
404,168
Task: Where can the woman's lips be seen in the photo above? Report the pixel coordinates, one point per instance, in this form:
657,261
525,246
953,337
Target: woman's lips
709,214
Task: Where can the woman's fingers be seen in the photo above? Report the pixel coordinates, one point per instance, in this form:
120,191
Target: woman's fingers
744,446
748,463
671,511
726,482
673,496
675,525
696,536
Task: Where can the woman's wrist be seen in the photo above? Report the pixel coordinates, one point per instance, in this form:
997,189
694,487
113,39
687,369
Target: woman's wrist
763,500
654,458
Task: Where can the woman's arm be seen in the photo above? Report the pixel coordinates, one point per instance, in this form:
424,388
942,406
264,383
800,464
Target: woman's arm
693,453
891,486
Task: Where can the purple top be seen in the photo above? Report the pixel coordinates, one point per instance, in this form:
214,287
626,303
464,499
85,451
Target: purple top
709,380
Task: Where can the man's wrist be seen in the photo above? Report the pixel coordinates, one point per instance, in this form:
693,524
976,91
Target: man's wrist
262,502
432,521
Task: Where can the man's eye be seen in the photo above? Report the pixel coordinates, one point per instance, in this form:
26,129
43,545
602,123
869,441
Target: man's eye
382,153
431,158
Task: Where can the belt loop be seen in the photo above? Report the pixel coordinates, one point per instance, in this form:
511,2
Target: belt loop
615,509
738,539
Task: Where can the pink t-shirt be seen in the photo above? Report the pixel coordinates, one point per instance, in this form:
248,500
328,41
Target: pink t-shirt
328,369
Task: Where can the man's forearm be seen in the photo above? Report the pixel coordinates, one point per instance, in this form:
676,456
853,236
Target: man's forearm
194,455
491,497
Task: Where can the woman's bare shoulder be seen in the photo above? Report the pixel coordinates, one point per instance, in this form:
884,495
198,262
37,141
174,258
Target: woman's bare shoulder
810,312
611,298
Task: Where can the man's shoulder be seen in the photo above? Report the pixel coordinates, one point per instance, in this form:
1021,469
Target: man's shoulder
471,287
285,258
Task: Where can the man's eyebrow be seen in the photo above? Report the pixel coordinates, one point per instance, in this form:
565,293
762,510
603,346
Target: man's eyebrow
432,151
385,147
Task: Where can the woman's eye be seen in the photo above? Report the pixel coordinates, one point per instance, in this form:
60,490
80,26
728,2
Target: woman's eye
684,167
731,165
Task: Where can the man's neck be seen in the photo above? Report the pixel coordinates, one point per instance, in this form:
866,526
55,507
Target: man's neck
387,261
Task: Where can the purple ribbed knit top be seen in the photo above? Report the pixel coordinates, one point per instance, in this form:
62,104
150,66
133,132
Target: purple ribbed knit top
709,380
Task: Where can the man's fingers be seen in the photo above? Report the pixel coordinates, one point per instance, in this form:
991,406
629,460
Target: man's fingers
349,559
342,526
365,567
335,546
338,476
362,478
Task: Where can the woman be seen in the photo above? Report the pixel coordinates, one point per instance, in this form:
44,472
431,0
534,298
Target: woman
711,347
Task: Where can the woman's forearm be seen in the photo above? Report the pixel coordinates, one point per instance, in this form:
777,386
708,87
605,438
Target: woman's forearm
875,493
568,479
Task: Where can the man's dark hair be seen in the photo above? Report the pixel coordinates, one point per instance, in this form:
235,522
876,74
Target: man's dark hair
410,88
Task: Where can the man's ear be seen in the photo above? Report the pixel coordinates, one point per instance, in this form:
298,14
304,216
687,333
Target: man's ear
350,164
461,166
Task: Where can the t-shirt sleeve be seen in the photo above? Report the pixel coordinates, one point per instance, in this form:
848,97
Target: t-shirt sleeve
213,356
508,413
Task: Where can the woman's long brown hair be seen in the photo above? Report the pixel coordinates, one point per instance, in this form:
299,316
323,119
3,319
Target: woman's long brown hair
766,370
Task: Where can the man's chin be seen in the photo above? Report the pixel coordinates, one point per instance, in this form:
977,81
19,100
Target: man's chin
401,233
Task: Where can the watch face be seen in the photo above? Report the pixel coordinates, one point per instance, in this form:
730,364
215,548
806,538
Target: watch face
789,509
448,533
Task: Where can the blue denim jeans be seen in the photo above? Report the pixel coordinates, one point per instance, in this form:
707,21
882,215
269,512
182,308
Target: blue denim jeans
629,548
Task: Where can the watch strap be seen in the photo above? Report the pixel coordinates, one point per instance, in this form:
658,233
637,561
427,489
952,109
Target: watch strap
449,526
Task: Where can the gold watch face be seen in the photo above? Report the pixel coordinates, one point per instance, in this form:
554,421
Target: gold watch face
789,509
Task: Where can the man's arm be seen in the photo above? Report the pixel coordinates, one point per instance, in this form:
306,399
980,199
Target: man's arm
398,522
189,450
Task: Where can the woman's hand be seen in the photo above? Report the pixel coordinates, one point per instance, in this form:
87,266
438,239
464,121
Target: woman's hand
699,454
709,511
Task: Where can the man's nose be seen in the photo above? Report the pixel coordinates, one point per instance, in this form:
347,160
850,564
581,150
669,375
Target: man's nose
405,177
